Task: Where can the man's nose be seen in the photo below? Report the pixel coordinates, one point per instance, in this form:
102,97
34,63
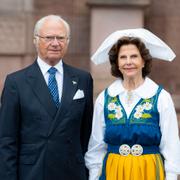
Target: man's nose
55,41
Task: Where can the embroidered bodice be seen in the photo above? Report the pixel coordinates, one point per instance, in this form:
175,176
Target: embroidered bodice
141,127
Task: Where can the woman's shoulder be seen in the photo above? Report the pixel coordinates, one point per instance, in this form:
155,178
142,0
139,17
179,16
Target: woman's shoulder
112,90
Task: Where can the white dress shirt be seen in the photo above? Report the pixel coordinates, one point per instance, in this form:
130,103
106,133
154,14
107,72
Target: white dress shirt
169,145
44,67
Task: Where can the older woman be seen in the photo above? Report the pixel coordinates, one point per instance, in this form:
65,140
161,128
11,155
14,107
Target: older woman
135,132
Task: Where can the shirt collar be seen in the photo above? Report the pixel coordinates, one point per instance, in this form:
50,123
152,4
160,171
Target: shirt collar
45,67
146,90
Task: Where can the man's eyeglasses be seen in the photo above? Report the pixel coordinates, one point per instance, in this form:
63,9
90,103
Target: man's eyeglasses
52,38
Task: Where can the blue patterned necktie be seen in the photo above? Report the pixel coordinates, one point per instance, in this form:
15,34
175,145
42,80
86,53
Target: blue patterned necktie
52,85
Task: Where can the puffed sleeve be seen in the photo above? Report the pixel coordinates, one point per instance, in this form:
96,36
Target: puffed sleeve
97,147
170,143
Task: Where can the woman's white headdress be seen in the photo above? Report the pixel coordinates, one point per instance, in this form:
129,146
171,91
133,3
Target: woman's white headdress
158,49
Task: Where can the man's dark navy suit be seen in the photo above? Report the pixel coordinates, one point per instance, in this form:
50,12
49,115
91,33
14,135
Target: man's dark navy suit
37,141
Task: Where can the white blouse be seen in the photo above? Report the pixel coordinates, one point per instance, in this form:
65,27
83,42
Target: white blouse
170,143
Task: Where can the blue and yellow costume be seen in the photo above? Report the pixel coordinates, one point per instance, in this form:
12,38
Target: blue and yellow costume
141,128
148,123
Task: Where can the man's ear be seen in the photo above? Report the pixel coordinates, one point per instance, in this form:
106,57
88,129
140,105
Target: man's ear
35,41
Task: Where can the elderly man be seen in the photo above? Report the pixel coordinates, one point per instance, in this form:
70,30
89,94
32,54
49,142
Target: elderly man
46,112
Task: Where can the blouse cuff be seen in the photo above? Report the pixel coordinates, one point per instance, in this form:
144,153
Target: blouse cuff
94,174
171,176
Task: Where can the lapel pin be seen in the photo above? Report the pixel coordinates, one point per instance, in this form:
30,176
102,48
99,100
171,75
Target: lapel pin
74,82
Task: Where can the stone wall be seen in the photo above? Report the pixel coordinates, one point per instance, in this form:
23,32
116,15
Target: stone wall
163,17
16,49
17,18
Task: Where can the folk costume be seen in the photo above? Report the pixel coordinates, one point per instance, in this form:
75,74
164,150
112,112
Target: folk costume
146,121
134,133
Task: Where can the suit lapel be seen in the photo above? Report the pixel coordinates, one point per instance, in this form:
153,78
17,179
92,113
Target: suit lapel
40,89
70,84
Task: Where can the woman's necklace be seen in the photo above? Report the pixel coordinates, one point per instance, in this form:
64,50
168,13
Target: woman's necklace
129,98
130,86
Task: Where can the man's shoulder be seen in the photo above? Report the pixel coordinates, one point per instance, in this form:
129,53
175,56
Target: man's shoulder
21,72
76,71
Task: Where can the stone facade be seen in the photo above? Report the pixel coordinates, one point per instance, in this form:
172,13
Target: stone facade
163,17
18,17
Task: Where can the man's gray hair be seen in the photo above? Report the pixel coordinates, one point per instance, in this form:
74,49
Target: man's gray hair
57,18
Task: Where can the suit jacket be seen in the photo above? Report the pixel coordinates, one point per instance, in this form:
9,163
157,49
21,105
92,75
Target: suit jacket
37,140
